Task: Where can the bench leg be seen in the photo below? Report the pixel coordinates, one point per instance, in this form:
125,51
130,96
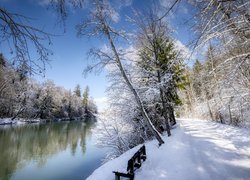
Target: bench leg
132,177
117,177
126,175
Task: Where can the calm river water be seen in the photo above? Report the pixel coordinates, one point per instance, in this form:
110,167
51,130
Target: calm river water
53,151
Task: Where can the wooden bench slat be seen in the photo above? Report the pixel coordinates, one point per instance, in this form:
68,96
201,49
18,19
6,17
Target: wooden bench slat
134,162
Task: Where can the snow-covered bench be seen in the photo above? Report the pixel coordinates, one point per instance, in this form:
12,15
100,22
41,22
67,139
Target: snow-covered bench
133,164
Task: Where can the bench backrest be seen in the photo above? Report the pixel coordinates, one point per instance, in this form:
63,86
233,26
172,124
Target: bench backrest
135,161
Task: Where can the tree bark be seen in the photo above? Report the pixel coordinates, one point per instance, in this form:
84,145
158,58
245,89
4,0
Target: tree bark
230,115
210,111
172,117
137,97
165,114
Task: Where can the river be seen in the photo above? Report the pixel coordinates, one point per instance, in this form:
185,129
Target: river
51,151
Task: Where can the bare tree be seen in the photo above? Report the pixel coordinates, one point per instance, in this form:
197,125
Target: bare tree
101,24
226,23
61,8
20,36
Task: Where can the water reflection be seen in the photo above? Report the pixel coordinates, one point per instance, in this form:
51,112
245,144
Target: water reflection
19,146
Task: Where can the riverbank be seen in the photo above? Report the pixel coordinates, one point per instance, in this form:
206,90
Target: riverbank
20,121
54,151
197,149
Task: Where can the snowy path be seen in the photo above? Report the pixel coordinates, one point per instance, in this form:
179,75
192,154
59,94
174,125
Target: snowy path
196,150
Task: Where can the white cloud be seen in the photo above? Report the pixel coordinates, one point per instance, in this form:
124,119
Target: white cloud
166,4
111,11
114,8
131,54
123,3
43,2
115,16
179,46
127,2
101,103
189,55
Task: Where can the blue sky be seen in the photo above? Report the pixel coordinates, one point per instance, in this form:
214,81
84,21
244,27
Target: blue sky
70,52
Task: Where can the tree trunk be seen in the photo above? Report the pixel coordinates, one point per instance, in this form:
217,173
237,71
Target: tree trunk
137,97
172,117
230,115
165,114
19,112
210,111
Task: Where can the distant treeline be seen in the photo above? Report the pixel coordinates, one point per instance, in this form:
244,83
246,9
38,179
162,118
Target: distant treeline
21,96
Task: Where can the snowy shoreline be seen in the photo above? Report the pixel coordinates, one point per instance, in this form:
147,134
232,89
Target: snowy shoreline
222,154
18,121
22,121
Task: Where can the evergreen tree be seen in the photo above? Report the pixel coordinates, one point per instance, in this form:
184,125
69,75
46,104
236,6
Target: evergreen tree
196,78
86,98
161,67
77,90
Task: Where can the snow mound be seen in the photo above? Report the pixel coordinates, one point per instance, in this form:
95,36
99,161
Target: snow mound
18,121
7,121
196,150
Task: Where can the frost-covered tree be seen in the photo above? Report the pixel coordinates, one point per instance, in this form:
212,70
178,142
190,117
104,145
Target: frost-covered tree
222,29
92,106
26,98
196,78
101,23
77,90
121,125
85,97
159,65
19,35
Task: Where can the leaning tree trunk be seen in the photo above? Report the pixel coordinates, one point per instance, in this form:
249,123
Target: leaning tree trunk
137,97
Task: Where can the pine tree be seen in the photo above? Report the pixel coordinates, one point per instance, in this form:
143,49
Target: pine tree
161,66
196,78
77,90
86,98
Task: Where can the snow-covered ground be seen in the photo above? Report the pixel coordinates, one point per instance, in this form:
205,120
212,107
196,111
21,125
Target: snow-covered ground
21,121
196,150
18,121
